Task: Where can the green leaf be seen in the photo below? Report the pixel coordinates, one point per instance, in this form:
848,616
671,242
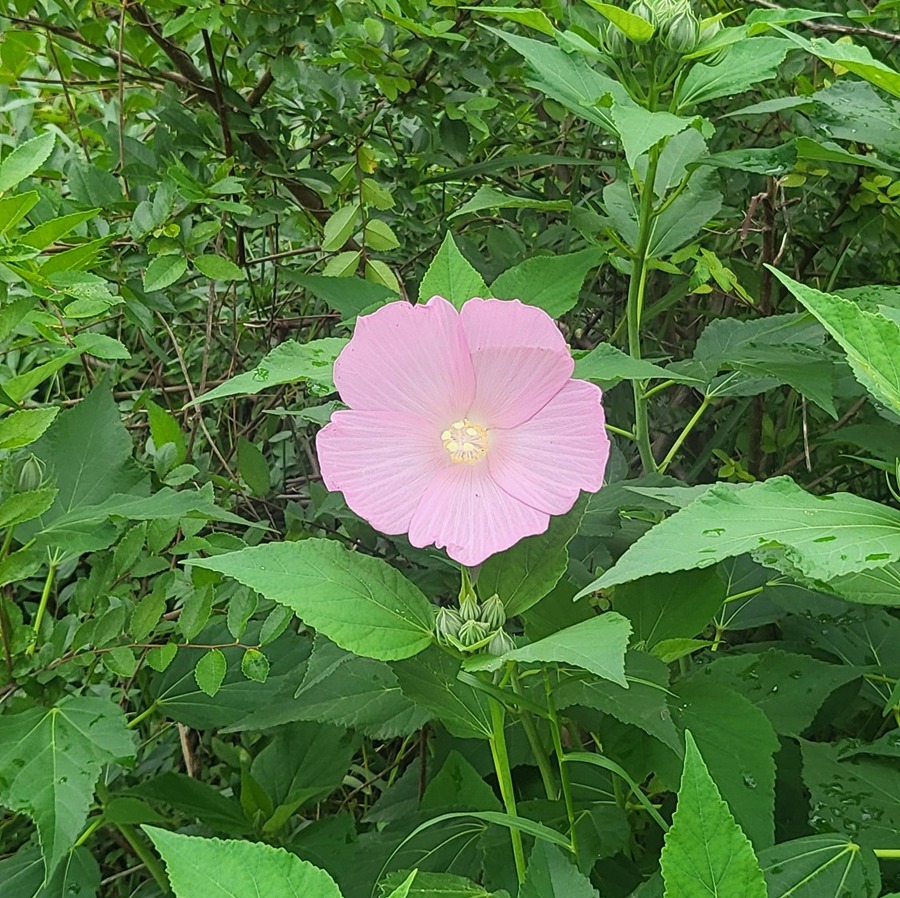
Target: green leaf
210,671
22,507
643,704
163,271
23,875
490,198
687,215
746,63
402,890
635,28
787,687
344,689
530,18
451,276
162,656
431,680
88,451
253,467
738,744
670,606
255,665
608,365
218,268
823,866
146,615
434,885
640,129
821,536
359,602
164,429
525,573
379,236
552,283
859,797
880,586
597,644
195,798
871,341
25,160
219,868
340,227
705,851
303,764
853,57
14,208
349,295
50,759
552,874
50,231
25,426
568,78
290,362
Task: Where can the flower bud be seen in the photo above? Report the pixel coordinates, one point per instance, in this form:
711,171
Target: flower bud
471,633
493,613
447,624
615,41
31,474
642,9
469,607
501,643
682,34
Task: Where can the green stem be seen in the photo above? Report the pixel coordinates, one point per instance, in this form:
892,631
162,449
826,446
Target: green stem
887,853
142,716
564,779
537,744
42,607
684,434
634,308
145,854
504,777
7,542
622,433
659,388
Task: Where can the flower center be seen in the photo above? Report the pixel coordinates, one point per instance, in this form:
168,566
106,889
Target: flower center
466,441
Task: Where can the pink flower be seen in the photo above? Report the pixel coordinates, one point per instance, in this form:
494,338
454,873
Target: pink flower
465,428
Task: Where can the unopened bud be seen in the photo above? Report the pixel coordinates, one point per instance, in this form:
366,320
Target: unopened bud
615,41
447,623
472,632
31,474
682,34
493,613
642,9
469,607
501,643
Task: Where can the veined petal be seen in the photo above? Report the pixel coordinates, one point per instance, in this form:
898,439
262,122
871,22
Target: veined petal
382,462
520,358
406,358
562,450
466,512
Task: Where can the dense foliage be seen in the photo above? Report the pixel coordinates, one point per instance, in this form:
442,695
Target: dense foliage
217,680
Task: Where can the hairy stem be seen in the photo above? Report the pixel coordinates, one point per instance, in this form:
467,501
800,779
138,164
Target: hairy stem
536,743
42,607
564,779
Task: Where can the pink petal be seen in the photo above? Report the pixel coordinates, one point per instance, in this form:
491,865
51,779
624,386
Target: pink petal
464,511
381,462
520,358
406,358
562,450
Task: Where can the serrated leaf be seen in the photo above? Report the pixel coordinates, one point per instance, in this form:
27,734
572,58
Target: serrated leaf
339,228
450,275
219,868
379,236
25,160
50,231
597,644
218,268
491,198
210,671
25,426
146,615
50,759
822,536
162,656
871,341
552,283
551,874
640,129
289,362
255,665
705,851
359,602
607,364
22,507
163,271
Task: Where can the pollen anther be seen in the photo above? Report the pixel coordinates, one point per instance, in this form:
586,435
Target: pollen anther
466,441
